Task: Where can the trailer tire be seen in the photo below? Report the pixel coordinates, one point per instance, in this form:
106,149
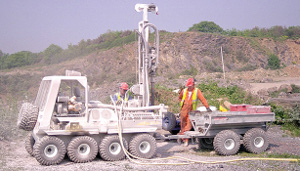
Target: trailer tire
27,116
110,148
227,143
206,143
29,143
82,149
256,140
169,121
143,145
49,150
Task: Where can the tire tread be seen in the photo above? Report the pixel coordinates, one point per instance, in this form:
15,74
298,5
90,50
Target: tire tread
134,144
248,144
75,142
219,142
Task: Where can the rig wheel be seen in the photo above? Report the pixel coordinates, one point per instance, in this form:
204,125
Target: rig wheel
29,143
110,148
82,149
27,116
143,145
49,150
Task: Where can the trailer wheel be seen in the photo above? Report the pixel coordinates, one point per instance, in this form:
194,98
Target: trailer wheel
206,143
29,142
27,116
226,143
143,145
169,121
110,148
82,149
255,140
49,150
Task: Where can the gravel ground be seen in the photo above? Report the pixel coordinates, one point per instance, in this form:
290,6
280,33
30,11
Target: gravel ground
14,157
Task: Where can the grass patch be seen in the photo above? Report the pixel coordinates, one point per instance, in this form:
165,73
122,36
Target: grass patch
275,94
288,118
208,153
291,129
192,71
248,67
166,96
295,89
233,94
258,47
8,121
211,66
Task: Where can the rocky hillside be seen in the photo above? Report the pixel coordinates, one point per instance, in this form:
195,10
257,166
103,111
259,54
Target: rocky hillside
202,51
188,53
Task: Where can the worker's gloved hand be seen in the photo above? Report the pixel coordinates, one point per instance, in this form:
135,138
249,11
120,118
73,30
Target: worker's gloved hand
208,109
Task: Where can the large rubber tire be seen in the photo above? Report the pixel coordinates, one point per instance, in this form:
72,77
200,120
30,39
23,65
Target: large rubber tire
206,143
142,145
169,121
49,150
29,143
110,148
227,143
27,116
256,140
82,149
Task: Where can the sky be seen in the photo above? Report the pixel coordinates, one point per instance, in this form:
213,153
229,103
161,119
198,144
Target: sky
33,25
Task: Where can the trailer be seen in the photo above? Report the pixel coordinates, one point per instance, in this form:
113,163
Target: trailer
227,131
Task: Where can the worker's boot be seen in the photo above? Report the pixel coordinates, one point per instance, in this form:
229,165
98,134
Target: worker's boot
186,143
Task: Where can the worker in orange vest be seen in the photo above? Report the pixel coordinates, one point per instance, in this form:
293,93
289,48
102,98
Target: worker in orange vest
188,102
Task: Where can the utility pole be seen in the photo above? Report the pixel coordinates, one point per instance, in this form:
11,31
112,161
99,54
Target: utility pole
223,62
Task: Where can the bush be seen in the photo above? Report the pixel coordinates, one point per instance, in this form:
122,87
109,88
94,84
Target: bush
165,96
289,118
273,62
275,32
18,59
206,26
295,89
233,94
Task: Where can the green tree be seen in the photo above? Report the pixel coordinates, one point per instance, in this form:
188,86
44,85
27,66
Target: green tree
206,26
1,53
232,32
273,62
2,59
19,59
51,52
293,32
